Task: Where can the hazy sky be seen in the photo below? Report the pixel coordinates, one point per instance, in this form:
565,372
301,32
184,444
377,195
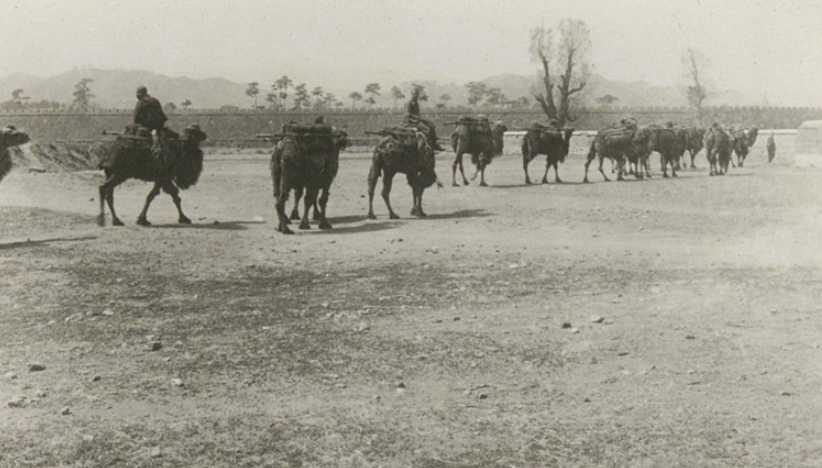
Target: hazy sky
761,48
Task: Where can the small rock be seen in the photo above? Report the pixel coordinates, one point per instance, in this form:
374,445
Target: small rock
482,396
622,353
65,411
587,400
73,317
10,376
108,313
155,346
177,382
36,367
41,393
340,385
786,393
96,378
399,385
88,438
690,337
456,319
513,266
597,319
575,330
566,324
156,452
18,401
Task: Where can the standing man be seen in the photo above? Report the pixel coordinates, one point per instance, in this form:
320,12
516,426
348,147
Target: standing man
148,113
771,148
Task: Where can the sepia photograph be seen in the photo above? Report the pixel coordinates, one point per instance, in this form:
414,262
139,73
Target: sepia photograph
410,234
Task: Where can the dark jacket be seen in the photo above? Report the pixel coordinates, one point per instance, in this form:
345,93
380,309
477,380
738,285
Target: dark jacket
413,107
149,113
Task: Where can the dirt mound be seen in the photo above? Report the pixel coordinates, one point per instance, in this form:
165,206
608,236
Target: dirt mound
55,157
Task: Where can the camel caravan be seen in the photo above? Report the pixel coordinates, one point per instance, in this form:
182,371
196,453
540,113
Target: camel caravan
305,158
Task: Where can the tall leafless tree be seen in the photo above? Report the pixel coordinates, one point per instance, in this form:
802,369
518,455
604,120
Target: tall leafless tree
693,61
572,62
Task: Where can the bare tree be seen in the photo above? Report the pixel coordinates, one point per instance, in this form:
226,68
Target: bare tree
692,61
572,62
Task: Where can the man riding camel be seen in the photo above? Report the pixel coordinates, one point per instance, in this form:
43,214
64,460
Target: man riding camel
148,113
413,118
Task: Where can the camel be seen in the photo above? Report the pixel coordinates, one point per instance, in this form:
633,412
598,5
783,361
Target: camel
130,157
482,140
306,162
613,143
9,136
553,144
407,152
743,140
718,144
694,142
663,140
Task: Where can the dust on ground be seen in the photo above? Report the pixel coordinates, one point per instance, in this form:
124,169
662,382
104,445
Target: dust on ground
660,322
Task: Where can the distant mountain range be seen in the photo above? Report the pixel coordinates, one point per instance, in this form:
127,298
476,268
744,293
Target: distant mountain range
115,89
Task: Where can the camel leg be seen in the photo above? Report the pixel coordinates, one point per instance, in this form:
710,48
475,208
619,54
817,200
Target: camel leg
172,190
482,179
556,173
545,175
693,156
107,193
387,181
142,219
298,195
591,156
457,162
373,175
417,210
602,160
323,202
282,199
462,172
317,215
310,199
525,161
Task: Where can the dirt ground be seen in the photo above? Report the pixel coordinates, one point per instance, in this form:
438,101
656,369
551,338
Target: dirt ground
662,322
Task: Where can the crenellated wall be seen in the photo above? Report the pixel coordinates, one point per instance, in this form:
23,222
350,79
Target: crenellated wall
239,127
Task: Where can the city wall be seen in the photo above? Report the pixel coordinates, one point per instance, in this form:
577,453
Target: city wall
240,127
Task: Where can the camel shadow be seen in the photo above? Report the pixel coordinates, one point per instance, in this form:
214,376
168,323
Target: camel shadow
41,242
215,225
512,186
347,219
475,213
365,227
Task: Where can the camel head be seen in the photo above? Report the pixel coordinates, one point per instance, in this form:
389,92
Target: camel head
752,133
193,135
341,140
498,130
10,136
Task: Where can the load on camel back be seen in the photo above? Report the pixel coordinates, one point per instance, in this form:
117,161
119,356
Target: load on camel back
305,159
480,138
407,151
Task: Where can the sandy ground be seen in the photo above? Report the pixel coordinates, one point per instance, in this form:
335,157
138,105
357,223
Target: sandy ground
662,322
